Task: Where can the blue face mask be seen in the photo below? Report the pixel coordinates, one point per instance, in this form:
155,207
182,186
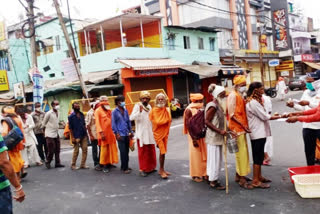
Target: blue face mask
122,104
310,86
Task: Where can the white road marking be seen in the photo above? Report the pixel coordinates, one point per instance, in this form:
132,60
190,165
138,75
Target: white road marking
176,126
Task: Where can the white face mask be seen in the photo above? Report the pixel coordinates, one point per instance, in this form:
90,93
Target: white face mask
57,107
38,109
242,89
160,105
107,107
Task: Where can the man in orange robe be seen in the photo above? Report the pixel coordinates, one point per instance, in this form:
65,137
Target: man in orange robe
197,148
15,156
161,120
106,138
238,123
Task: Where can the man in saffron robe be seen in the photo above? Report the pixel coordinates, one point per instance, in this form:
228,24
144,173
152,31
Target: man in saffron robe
145,140
197,147
238,123
106,138
161,120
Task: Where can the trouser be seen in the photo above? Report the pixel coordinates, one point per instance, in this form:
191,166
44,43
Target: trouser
42,145
258,150
6,201
123,145
53,145
310,137
95,152
84,147
30,155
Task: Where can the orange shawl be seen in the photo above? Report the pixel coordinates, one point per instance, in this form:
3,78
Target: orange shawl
161,121
103,124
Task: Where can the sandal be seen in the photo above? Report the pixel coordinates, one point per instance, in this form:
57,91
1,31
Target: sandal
197,179
163,175
168,173
216,185
265,180
237,179
246,185
261,185
267,163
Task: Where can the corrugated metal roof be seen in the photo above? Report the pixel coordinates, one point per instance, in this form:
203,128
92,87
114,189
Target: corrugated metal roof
151,64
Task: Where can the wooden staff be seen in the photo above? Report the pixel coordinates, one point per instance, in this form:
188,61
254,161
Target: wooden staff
225,157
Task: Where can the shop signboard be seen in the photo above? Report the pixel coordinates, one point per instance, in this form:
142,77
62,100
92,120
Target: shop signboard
274,62
157,72
4,83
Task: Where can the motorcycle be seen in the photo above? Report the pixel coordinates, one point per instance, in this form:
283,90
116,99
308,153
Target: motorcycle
271,92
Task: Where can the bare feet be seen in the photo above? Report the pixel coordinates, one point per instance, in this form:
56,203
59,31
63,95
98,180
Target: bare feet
168,173
163,174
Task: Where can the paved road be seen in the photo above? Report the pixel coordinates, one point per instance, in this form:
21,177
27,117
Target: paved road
87,191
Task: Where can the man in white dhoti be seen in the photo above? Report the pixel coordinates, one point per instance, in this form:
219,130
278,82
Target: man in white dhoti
144,135
215,121
268,148
281,88
30,153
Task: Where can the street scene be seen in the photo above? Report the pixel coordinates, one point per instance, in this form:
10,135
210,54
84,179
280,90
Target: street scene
160,106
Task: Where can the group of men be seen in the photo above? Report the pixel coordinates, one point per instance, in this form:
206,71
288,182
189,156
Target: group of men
107,128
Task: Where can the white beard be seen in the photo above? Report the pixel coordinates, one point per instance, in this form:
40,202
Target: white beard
160,105
223,104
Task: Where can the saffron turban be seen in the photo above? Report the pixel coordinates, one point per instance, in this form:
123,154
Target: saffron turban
195,97
145,94
239,79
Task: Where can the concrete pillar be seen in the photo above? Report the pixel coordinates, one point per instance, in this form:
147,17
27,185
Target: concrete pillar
234,19
248,23
163,11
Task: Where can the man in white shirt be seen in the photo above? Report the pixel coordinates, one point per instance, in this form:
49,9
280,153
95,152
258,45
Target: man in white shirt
268,148
311,131
144,135
51,125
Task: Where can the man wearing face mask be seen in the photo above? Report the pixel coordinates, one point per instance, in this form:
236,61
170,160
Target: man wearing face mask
238,123
78,134
197,147
146,144
215,121
51,125
121,126
106,139
38,116
310,99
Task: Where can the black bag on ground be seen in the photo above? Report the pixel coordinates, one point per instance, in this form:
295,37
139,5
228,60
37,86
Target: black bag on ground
15,134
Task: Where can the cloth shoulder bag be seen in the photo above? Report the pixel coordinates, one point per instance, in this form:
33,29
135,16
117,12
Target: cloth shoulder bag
15,135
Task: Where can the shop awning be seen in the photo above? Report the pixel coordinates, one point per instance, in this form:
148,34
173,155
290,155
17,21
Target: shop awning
206,71
92,88
313,65
100,76
151,64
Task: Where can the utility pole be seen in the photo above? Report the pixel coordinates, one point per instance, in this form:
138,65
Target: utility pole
33,50
261,56
71,50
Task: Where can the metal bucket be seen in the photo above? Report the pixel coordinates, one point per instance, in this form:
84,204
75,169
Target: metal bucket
232,144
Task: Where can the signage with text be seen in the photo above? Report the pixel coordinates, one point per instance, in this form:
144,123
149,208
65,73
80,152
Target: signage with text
274,63
158,72
4,83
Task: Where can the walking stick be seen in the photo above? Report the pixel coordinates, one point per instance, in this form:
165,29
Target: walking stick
225,157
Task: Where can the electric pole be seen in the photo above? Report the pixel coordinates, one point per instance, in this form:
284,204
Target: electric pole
71,50
30,15
261,56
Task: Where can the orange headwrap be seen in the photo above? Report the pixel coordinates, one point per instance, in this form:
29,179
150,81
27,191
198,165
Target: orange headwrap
239,79
280,79
195,97
9,110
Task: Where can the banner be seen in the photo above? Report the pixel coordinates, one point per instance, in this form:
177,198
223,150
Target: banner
2,32
38,87
69,70
4,83
18,89
280,25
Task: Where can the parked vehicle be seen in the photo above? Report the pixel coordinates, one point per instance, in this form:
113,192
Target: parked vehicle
271,92
297,83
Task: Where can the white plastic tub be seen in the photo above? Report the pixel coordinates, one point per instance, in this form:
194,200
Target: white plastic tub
307,185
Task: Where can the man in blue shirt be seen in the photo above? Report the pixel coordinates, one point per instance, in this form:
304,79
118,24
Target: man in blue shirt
121,127
78,134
